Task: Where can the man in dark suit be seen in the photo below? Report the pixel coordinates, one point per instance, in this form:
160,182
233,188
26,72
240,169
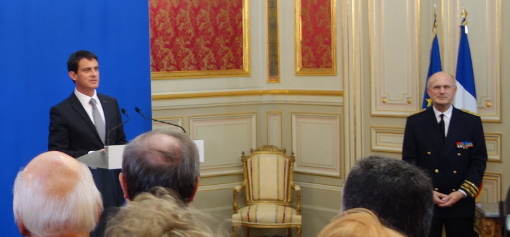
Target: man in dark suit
449,144
73,123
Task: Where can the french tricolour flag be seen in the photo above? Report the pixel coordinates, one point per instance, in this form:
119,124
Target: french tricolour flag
466,93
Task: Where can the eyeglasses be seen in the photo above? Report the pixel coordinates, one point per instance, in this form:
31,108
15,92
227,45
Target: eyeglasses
445,87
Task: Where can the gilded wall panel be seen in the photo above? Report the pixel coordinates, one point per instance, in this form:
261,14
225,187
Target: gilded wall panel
394,59
491,188
273,41
315,37
225,138
316,143
206,39
387,139
493,142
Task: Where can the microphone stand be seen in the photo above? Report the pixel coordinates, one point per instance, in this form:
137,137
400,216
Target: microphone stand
108,135
138,110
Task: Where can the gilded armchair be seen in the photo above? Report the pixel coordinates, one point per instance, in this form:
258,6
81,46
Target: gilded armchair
268,185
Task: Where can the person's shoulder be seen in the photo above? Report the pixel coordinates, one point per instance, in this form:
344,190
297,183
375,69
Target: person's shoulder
105,97
469,112
66,101
416,113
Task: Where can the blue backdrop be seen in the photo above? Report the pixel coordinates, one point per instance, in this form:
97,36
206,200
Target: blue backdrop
36,38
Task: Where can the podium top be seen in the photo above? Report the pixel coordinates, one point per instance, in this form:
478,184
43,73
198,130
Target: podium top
109,158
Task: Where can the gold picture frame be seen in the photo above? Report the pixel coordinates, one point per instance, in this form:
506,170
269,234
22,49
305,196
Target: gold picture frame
243,70
313,37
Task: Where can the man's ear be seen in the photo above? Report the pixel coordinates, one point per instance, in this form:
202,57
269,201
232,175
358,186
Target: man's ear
123,185
195,190
21,227
72,75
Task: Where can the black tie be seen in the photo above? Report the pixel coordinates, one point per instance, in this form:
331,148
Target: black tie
441,125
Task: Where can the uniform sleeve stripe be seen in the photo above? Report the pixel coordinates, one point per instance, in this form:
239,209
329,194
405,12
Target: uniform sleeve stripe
469,187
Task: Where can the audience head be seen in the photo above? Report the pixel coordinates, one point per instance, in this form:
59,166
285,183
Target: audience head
399,193
159,213
165,158
55,195
357,222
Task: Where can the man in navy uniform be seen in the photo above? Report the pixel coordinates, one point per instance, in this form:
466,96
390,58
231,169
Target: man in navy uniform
449,145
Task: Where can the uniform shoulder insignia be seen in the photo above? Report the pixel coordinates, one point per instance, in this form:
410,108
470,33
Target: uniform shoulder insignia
470,112
417,112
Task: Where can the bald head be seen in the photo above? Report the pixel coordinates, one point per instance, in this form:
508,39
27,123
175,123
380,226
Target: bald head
55,194
165,143
50,180
165,158
441,88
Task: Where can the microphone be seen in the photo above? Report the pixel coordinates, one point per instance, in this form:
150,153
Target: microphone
138,110
109,131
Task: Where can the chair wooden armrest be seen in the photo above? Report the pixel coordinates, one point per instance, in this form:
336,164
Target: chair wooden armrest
298,198
237,189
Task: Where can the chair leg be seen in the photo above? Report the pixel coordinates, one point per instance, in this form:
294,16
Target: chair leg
289,232
234,231
299,231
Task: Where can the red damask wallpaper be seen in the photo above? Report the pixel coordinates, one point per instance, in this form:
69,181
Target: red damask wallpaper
316,34
196,35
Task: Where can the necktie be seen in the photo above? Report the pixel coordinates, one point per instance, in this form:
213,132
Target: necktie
98,121
441,125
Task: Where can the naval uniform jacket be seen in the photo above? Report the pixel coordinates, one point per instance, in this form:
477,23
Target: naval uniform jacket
456,163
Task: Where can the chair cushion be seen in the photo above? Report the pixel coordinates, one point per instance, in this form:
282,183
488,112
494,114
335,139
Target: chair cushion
267,214
268,177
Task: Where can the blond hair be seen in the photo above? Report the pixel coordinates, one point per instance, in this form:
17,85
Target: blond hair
358,222
160,213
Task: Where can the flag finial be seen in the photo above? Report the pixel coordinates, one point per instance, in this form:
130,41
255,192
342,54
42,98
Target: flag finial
464,16
434,26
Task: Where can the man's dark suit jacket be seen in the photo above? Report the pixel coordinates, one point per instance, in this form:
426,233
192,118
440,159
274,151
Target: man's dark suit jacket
72,131
458,162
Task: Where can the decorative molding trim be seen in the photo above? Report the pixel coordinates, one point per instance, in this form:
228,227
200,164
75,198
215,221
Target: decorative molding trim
394,92
493,142
313,155
273,41
223,154
246,93
491,188
386,139
274,128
